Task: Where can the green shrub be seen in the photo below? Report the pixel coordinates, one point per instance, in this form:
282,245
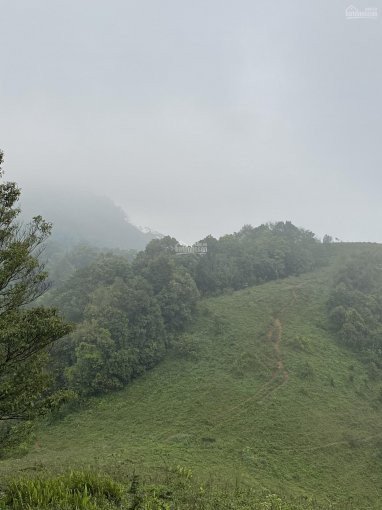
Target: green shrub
305,371
186,347
76,490
300,343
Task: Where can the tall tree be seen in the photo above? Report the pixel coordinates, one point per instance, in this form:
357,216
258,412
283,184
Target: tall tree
25,331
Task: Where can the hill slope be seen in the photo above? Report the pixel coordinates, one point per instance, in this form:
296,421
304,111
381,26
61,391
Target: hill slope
265,396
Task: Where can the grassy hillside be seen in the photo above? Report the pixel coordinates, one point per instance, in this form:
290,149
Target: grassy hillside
258,392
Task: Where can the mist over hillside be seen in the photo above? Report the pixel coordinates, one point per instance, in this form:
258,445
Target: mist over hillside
190,255
80,217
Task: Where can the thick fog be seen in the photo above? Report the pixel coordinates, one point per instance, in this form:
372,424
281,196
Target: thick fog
198,116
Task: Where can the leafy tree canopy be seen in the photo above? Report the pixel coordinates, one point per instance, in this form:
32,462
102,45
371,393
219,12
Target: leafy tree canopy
25,332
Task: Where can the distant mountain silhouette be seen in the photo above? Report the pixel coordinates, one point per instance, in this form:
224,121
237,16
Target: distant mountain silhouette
85,218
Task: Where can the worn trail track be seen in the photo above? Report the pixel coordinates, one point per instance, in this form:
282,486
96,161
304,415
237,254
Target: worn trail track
277,380
279,375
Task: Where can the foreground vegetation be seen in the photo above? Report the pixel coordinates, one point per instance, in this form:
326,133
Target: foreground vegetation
176,489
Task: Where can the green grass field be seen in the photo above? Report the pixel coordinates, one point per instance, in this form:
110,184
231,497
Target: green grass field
265,397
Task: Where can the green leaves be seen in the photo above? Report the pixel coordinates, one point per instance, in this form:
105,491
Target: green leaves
256,255
25,333
77,489
355,304
99,364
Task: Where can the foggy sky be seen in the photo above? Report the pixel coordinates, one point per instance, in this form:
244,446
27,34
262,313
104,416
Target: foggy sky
199,116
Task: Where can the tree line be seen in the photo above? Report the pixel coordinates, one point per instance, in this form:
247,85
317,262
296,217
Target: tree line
128,314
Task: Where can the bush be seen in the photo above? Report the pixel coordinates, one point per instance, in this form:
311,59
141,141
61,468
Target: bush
186,347
305,371
76,490
300,343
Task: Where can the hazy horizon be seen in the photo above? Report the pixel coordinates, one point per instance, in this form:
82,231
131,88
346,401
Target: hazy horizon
198,118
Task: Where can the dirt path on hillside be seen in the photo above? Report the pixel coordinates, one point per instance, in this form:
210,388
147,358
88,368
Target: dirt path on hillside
274,335
279,375
276,381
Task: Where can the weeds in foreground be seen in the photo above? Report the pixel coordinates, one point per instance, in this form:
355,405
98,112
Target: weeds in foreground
89,491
